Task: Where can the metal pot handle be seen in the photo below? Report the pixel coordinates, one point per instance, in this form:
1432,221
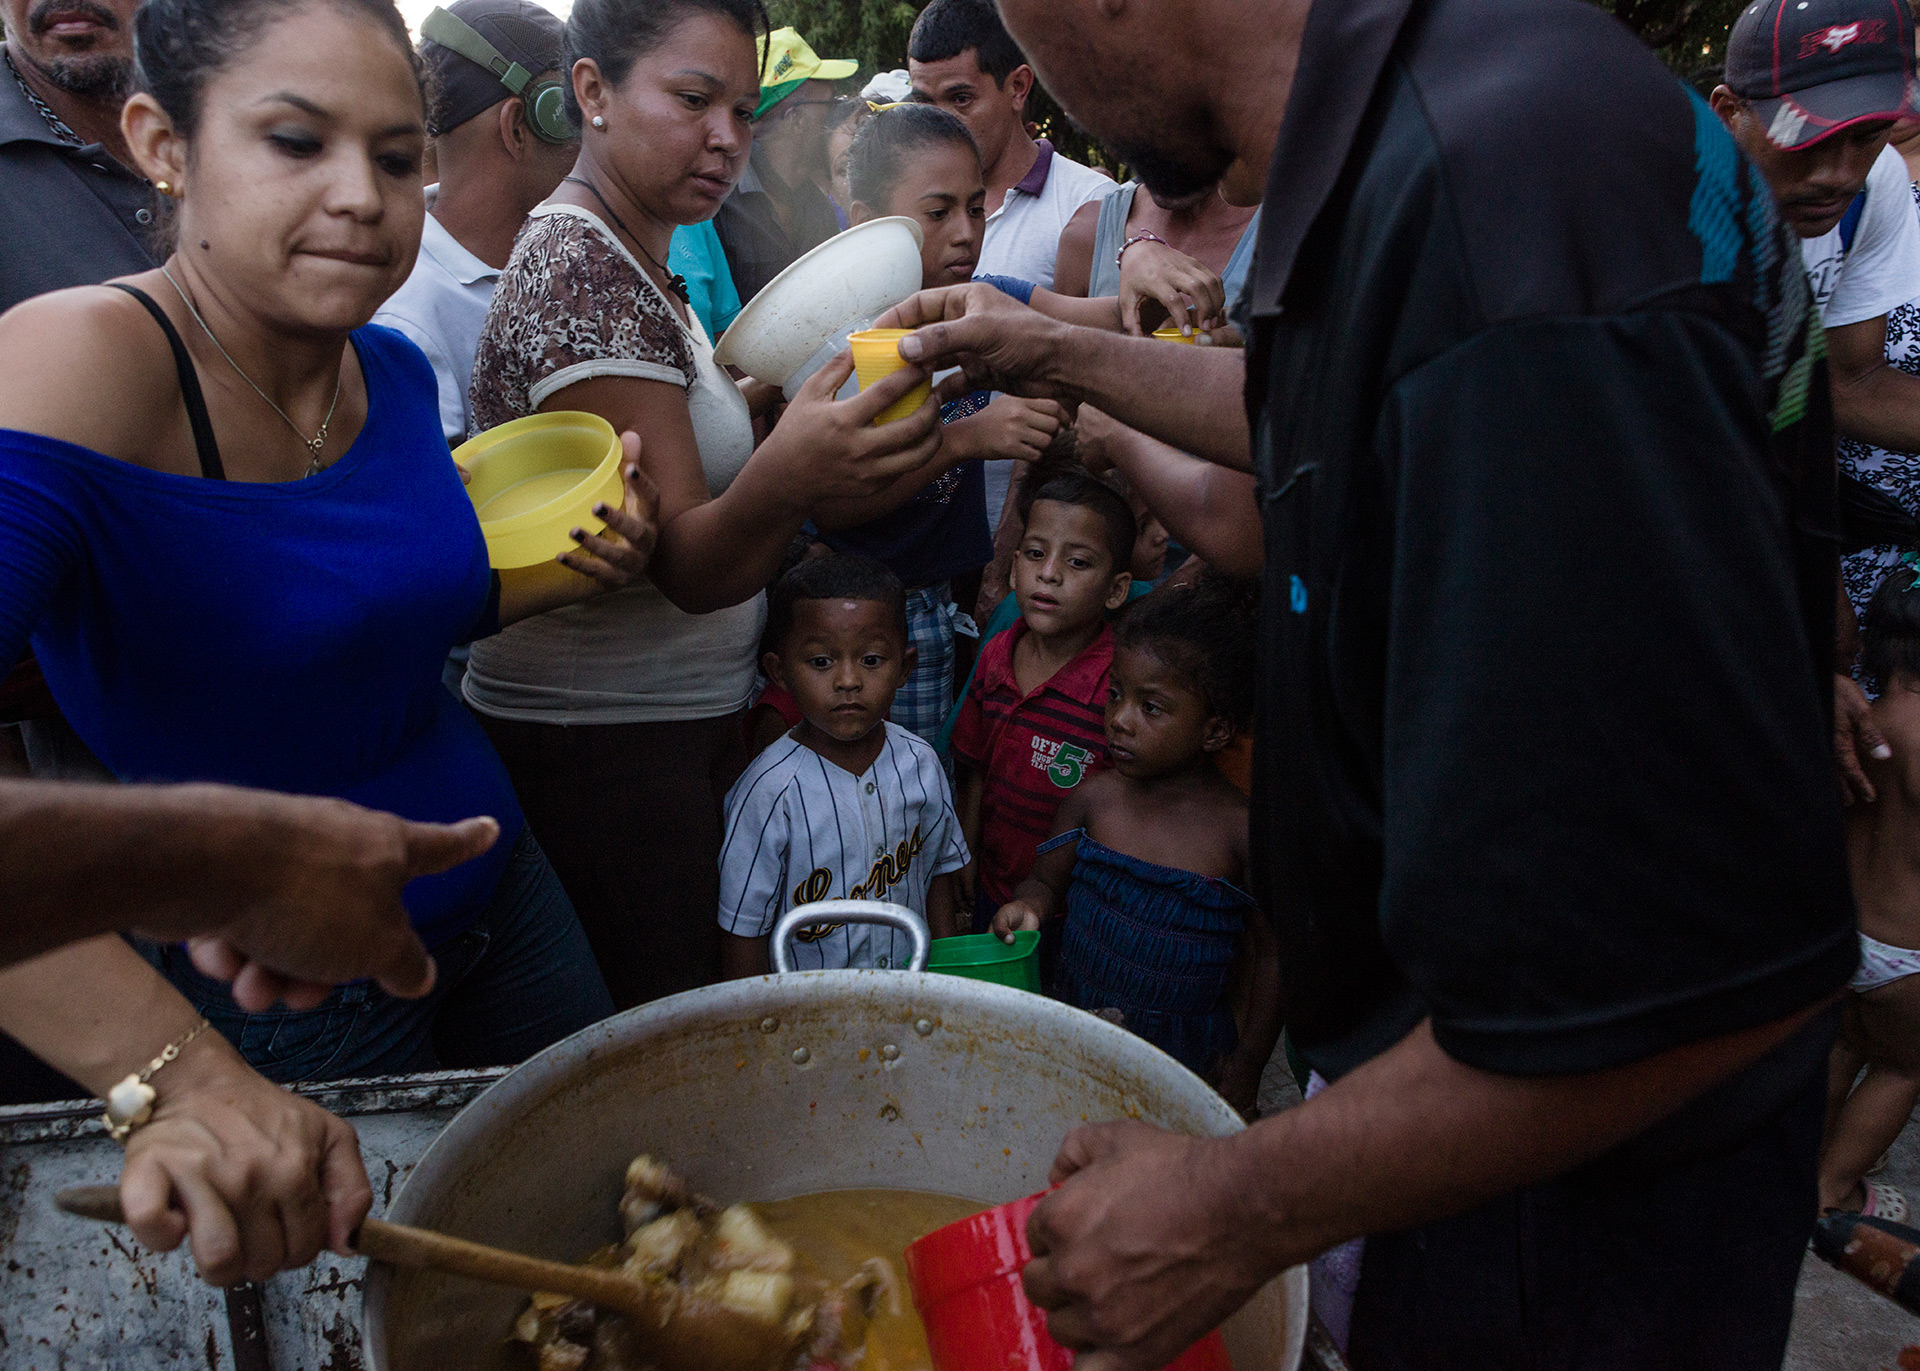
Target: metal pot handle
850,912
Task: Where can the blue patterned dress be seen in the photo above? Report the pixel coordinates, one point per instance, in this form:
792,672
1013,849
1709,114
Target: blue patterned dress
1155,943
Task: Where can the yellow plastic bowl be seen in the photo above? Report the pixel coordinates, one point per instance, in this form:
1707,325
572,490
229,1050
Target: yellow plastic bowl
535,480
1172,334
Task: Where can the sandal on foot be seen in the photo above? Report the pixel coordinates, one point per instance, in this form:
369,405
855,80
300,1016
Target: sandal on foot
1883,1202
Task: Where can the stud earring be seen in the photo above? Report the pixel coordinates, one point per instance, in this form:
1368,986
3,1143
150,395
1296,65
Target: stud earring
599,122
165,188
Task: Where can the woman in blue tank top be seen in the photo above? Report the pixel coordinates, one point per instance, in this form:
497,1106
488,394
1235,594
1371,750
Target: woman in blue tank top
245,558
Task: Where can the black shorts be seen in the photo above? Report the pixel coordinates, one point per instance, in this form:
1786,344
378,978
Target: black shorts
1686,1265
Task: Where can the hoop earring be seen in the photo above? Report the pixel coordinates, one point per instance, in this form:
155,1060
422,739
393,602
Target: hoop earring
599,122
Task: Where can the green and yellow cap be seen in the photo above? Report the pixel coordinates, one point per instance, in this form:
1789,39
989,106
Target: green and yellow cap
786,61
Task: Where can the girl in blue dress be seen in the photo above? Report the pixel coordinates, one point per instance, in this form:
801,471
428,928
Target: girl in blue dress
1149,863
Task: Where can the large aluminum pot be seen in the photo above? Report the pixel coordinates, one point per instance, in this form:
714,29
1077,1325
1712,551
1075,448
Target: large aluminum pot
772,1087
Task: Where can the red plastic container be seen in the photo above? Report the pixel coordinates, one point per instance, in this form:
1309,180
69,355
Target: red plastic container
966,1285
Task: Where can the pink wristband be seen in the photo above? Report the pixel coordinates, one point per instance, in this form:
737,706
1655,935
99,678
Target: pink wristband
1137,238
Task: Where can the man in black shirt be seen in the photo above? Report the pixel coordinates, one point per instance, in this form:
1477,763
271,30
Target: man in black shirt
1545,811
72,212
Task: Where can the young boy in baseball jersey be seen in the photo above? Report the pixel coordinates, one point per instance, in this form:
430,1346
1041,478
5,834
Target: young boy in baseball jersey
847,805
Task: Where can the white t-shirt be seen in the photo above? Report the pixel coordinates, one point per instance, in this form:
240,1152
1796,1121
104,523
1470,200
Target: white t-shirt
800,829
1023,235
1882,269
441,306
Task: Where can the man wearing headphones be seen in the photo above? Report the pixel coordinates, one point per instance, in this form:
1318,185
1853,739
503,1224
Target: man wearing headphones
501,141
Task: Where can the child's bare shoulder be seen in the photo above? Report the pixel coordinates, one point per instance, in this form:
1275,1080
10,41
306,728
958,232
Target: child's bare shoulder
1099,790
1222,795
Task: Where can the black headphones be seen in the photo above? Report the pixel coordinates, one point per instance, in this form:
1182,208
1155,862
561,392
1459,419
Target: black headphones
546,100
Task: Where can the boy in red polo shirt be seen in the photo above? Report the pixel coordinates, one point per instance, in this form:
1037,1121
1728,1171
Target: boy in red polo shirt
1033,725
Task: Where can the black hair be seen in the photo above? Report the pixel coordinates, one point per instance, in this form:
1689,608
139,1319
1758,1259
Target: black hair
1074,486
1890,632
889,140
181,45
844,108
947,28
1205,632
614,33
840,576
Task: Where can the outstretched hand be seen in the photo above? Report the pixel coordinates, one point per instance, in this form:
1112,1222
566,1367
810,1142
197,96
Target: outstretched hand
834,449
997,342
1189,290
1012,427
320,898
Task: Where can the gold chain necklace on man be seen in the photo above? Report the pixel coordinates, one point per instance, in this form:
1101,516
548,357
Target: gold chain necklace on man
313,444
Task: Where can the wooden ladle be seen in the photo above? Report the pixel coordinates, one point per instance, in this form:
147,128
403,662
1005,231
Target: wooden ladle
676,1338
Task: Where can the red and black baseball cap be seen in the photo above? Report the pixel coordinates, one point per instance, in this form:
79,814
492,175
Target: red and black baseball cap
1809,68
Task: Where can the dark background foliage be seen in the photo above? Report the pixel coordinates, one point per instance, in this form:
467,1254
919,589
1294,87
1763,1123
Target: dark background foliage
875,32
1688,34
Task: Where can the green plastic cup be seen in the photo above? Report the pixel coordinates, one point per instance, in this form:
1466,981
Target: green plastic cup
983,957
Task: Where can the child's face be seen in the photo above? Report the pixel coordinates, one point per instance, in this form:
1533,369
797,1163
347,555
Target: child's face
941,187
1150,548
1157,722
842,663
839,144
1063,574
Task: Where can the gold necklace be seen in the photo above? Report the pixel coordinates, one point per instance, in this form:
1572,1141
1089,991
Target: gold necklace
313,444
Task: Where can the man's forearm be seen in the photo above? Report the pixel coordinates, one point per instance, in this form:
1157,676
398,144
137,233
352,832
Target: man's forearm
1192,398
1880,406
1413,1136
1206,508
78,859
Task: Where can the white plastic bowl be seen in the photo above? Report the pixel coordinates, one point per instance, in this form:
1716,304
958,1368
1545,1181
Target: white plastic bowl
843,284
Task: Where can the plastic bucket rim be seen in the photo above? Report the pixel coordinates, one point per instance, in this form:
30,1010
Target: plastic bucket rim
478,446
1026,944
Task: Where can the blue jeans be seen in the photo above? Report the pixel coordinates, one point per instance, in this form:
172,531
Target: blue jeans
519,979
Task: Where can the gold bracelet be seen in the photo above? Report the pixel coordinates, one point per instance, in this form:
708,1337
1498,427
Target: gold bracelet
130,1103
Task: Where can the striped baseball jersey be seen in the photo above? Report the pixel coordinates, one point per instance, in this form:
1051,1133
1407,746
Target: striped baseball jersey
1033,749
800,829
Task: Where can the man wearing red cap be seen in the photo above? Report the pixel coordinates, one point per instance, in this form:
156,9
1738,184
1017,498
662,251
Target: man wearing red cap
1813,91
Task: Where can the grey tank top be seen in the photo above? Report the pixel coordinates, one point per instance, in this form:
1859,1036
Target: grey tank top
1108,235
1111,232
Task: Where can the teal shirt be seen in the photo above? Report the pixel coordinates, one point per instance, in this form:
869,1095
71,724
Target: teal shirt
695,254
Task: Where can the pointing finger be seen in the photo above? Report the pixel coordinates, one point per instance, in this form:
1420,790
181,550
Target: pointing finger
433,848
